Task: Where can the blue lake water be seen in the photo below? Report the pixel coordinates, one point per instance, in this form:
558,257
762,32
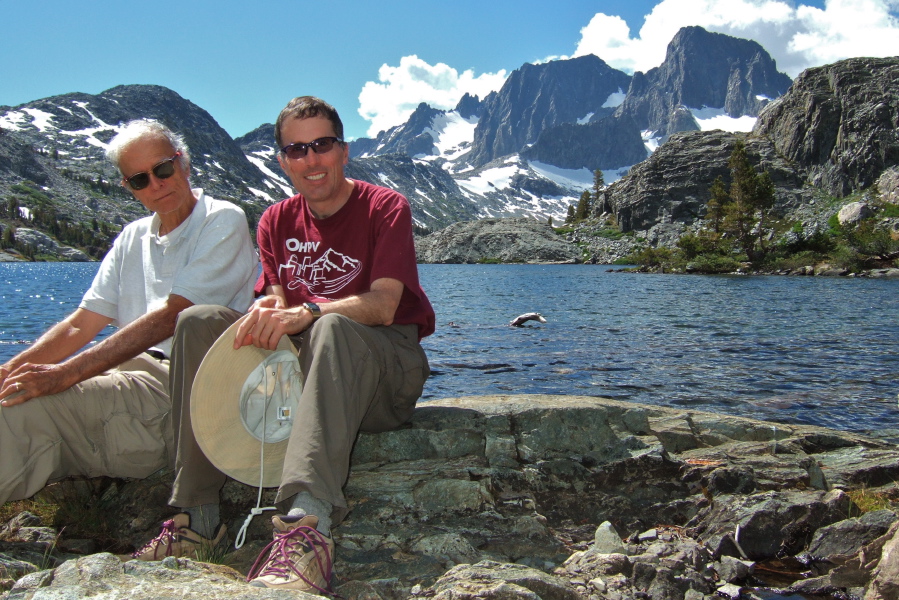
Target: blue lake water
813,350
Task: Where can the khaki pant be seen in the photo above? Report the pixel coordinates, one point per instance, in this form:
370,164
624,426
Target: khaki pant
116,424
355,378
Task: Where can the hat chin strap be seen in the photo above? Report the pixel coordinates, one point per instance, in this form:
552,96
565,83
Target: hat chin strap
258,510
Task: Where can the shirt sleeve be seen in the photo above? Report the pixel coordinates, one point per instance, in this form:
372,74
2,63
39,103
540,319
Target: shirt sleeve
394,255
102,297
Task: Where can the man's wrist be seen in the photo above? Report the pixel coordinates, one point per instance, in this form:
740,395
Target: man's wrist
313,309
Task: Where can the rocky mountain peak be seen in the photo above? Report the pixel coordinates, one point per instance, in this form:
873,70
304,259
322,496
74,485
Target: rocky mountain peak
537,97
703,70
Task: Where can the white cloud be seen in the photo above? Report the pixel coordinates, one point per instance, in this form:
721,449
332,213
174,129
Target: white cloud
796,36
401,89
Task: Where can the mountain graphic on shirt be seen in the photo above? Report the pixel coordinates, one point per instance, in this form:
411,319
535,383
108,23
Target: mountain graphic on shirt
323,277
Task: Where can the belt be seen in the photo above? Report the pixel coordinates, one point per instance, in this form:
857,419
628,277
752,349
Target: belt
157,354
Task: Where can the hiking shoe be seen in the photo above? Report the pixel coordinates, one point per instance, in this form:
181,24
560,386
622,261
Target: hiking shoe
177,539
299,557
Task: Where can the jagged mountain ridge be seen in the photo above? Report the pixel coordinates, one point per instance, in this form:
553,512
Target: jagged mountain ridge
439,159
541,160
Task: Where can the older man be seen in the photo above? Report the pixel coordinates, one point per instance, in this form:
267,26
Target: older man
358,325
69,406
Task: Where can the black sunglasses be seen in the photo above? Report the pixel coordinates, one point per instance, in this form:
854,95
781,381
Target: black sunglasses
163,170
299,150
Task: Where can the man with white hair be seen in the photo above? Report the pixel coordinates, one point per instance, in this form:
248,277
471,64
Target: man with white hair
69,406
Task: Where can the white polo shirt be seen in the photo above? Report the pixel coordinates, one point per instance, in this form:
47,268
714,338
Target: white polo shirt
208,259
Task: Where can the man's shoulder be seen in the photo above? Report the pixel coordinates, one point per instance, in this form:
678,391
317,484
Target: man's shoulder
214,206
138,227
379,195
292,204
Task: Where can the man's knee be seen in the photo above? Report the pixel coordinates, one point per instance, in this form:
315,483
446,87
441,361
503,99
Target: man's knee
204,320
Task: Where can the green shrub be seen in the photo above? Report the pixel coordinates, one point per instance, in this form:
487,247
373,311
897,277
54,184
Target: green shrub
713,263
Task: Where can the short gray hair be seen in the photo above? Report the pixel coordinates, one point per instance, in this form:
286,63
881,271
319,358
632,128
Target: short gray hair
140,129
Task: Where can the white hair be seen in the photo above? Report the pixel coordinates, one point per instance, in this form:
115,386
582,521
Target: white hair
140,129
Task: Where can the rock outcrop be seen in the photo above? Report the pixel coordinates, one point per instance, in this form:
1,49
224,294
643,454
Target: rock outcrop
520,240
44,244
672,185
839,123
553,497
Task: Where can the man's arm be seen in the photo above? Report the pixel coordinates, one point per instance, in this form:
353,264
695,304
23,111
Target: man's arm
270,318
60,341
44,378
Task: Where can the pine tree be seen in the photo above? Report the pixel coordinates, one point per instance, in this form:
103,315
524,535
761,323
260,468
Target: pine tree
583,207
750,200
715,207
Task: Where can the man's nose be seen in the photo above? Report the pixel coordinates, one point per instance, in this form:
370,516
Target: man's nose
312,157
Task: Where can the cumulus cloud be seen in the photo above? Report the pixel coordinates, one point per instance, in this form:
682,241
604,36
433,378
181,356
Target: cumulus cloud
399,90
797,36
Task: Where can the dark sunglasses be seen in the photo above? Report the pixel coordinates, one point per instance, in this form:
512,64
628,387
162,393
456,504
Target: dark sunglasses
299,150
163,170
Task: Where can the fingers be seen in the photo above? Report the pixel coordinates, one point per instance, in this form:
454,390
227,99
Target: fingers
241,336
13,392
260,327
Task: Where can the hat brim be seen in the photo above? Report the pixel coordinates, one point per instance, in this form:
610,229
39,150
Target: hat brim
215,412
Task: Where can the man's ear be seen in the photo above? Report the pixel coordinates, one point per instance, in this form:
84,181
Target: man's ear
281,164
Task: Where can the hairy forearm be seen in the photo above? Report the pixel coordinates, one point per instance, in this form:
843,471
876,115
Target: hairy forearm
61,341
371,308
124,344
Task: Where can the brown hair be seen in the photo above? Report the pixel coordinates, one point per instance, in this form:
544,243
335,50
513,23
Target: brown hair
305,107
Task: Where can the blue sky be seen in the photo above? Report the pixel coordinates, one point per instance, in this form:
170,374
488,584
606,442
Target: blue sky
375,61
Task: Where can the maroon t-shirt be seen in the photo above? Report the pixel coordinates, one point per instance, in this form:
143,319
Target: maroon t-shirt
317,260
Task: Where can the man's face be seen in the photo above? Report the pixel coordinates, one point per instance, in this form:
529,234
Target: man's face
318,177
166,197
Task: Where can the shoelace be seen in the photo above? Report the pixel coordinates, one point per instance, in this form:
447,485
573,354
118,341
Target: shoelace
167,536
296,541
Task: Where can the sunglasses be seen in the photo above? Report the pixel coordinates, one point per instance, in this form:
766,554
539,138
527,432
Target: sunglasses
162,170
298,150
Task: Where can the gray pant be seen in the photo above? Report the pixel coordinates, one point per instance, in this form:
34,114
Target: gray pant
116,424
355,378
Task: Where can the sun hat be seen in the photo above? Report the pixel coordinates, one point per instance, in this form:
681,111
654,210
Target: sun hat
242,405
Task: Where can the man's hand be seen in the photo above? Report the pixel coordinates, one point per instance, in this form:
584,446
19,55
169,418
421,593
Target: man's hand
268,320
33,380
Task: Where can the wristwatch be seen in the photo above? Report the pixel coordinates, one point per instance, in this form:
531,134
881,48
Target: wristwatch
313,309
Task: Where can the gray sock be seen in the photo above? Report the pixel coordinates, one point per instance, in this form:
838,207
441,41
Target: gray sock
204,519
305,503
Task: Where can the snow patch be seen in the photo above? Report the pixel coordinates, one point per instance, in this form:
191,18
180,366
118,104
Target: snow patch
489,179
650,140
13,120
42,119
261,195
615,99
716,118
585,119
579,179
451,134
